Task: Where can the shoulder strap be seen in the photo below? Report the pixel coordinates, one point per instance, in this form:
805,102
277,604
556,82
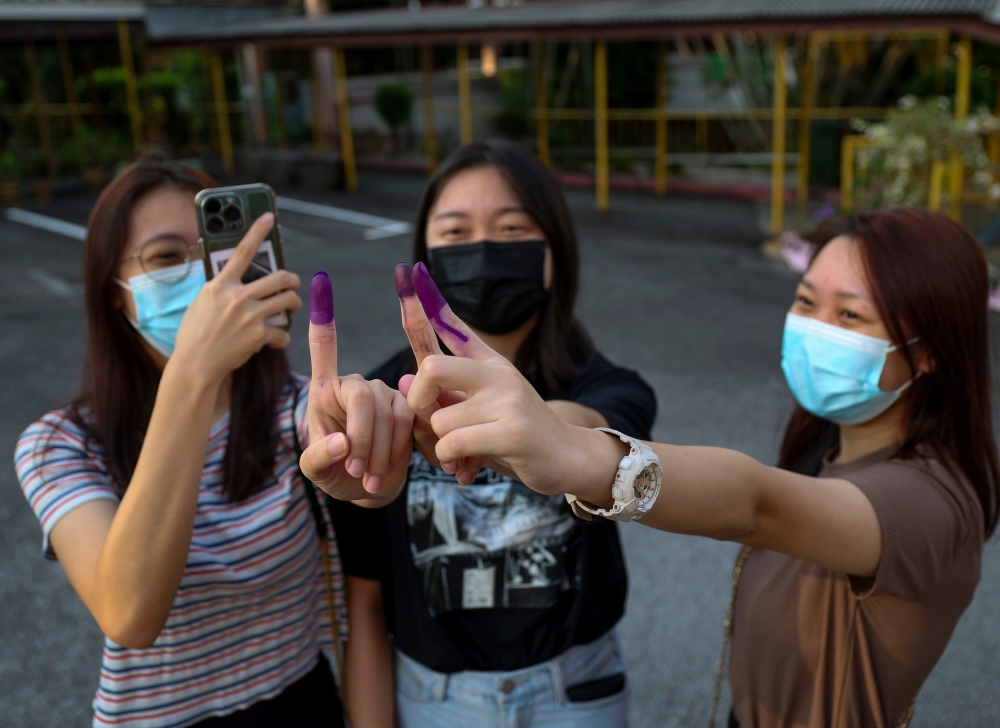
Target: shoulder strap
323,533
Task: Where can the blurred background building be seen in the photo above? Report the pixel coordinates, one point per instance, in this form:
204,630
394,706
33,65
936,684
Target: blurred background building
779,102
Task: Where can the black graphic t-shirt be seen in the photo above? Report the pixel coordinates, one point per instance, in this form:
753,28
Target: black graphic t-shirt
493,576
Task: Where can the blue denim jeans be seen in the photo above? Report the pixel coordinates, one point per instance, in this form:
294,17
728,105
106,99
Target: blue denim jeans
528,698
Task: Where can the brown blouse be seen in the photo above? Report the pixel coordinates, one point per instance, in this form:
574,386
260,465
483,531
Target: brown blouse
813,647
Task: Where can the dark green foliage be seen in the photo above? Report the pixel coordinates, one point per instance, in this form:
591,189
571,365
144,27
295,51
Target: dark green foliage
394,103
517,100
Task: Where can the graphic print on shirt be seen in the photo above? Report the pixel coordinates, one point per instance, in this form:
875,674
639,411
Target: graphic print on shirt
494,544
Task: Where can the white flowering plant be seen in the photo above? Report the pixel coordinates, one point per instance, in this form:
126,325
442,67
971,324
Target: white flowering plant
895,168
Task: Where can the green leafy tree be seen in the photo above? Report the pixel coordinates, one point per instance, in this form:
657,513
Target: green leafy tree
394,103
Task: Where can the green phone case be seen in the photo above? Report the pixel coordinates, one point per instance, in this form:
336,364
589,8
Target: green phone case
224,216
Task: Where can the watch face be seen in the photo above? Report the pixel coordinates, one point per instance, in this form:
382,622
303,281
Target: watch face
643,484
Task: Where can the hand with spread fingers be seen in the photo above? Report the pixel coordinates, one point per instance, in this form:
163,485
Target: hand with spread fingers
491,410
424,342
360,432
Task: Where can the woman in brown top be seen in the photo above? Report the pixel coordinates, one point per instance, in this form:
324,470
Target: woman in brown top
868,536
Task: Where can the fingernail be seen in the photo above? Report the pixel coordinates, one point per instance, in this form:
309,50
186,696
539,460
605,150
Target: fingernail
336,445
432,300
374,484
266,217
464,477
321,299
449,468
404,280
356,467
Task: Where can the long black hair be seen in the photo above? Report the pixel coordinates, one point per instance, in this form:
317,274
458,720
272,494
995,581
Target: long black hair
928,279
120,379
559,346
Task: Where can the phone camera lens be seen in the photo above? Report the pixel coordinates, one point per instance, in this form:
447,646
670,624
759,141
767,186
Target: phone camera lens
213,206
215,224
231,213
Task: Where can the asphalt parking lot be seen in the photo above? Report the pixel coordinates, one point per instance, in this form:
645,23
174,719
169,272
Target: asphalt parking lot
674,288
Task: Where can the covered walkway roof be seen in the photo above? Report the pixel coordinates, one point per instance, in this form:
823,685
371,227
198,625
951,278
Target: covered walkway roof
596,19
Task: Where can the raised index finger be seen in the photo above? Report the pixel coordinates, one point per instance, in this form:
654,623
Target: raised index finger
244,252
322,329
452,330
419,331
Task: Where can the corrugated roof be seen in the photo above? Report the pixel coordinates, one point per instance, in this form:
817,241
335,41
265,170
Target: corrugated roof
596,14
71,10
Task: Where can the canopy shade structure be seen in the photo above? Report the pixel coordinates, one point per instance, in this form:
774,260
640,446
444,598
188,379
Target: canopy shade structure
597,20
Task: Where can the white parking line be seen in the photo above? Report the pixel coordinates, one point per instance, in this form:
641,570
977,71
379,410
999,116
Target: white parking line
55,284
377,227
53,225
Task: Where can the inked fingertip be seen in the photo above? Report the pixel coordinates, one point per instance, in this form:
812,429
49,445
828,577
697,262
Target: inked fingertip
404,281
432,301
321,299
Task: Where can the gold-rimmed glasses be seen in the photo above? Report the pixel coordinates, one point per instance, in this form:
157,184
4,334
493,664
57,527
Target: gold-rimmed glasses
166,260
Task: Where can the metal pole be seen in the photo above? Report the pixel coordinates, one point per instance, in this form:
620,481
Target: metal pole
69,83
601,122
962,82
778,139
542,105
427,93
464,94
222,111
131,92
344,112
660,162
805,119
37,100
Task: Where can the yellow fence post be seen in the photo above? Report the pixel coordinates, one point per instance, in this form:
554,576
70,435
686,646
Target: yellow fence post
542,105
778,139
601,122
464,94
344,119
131,91
427,91
660,162
847,173
69,83
38,101
222,111
962,83
934,188
805,119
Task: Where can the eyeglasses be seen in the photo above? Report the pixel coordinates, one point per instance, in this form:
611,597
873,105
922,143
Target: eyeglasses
166,260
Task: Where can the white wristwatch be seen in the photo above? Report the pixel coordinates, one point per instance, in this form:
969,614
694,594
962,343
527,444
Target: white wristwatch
637,483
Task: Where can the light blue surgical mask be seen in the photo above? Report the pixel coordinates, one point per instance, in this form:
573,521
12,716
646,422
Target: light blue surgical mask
834,373
160,306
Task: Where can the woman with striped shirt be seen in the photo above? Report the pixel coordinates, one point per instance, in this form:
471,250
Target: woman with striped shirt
170,489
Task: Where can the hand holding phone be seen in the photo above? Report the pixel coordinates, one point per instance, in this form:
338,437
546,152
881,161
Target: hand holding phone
224,216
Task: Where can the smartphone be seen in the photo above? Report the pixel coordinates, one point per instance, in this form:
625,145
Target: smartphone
224,216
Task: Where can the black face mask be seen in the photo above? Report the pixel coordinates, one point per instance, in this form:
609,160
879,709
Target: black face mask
493,287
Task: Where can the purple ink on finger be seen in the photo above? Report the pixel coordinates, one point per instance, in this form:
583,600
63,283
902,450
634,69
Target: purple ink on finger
432,300
321,300
404,281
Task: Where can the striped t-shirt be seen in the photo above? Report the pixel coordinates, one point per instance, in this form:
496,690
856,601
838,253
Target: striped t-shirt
250,616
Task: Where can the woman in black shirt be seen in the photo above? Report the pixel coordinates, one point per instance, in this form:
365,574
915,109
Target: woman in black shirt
502,603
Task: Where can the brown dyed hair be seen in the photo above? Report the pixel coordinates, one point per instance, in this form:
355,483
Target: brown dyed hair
559,346
120,379
928,279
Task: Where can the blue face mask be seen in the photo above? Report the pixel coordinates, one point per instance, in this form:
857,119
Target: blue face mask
834,373
160,307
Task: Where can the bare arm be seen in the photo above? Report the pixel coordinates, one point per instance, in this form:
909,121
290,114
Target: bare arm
368,675
706,491
126,560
